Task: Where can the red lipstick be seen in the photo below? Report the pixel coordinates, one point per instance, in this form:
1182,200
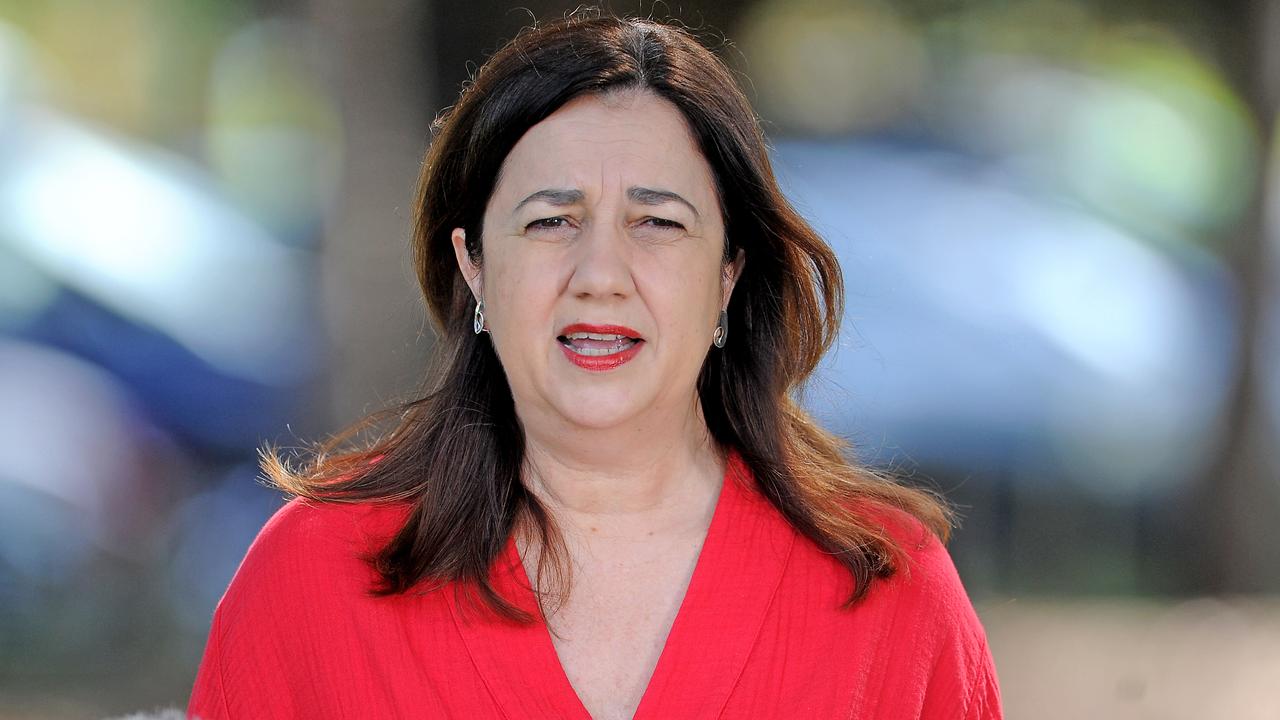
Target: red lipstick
613,358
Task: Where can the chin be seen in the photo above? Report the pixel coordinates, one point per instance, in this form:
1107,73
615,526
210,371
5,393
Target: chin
600,418
597,408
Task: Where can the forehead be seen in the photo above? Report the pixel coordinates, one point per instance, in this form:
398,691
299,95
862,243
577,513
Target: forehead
598,142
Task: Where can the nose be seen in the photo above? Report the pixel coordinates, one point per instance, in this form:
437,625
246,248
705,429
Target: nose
601,263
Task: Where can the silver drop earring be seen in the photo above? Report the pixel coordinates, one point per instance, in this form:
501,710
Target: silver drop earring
722,330
477,322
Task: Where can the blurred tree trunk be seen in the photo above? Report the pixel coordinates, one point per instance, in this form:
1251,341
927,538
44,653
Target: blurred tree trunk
1242,494
384,78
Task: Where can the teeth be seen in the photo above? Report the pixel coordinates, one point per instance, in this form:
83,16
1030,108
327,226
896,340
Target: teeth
595,352
589,343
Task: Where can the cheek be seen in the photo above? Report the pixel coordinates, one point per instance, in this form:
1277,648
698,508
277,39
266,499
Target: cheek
687,300
519,292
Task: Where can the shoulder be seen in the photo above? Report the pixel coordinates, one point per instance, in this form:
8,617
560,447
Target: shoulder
302,526
308,546
918,623
932,612
288,604
925,580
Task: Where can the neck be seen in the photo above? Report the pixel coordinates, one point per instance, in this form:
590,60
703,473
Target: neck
656,475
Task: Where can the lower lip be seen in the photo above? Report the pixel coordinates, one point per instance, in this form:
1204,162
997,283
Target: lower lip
601,363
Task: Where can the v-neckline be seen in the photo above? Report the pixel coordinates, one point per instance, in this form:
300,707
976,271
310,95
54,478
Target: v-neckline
734,579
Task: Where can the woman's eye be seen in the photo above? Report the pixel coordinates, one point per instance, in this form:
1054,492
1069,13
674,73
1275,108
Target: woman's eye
547,224
664,223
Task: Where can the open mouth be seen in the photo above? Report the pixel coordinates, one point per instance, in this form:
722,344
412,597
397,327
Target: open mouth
592,344
599,348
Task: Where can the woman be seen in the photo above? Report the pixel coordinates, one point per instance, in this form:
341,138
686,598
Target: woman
606,504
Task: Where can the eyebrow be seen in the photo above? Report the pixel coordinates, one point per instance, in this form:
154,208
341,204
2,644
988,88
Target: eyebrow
650,196
553,196
571,196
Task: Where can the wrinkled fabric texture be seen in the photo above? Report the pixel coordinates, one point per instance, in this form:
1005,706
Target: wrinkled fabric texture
760,633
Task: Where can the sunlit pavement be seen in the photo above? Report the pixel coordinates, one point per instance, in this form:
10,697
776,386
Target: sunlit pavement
1199,659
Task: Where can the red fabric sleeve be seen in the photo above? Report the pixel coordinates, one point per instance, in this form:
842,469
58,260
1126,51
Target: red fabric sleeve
294,591
963,682
984,704
207,699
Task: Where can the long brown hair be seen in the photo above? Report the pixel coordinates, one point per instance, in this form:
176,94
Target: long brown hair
454,454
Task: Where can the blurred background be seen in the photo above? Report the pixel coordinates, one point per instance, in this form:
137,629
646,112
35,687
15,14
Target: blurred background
1057,223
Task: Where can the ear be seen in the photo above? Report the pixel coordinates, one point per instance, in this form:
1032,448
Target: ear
470,271
729,277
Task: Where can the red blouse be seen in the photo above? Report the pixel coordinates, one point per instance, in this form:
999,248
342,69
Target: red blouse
759,634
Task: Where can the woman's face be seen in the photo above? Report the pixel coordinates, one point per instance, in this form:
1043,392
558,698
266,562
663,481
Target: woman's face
604,223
